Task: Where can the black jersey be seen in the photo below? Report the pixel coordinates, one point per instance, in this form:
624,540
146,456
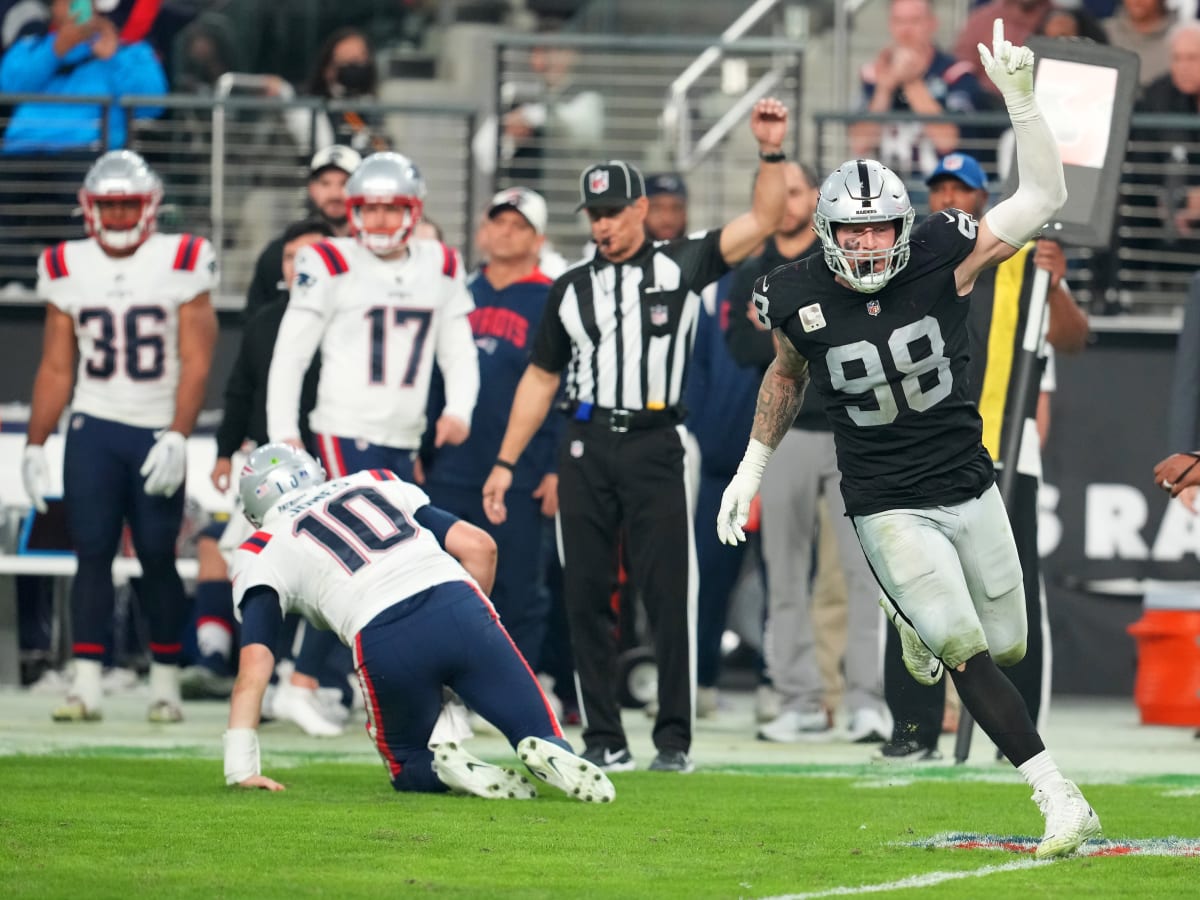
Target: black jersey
891,368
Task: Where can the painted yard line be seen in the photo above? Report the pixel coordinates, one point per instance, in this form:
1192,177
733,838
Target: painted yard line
929,879
1012,843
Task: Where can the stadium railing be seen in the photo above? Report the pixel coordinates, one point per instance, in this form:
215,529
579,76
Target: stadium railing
231,172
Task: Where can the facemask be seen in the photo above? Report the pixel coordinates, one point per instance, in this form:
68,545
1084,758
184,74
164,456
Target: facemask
355,78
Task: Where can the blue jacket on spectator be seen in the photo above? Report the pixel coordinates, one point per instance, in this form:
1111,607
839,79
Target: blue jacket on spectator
504,323
31,67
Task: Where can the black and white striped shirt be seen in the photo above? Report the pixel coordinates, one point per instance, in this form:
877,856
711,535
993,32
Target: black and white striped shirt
624,331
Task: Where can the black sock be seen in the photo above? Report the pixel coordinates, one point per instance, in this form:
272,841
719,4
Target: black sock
998,708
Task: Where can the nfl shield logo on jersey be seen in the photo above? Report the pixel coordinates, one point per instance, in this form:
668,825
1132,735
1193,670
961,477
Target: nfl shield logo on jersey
658,315
598,181
873,307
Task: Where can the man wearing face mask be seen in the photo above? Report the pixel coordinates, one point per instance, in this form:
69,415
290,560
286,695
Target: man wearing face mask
327,177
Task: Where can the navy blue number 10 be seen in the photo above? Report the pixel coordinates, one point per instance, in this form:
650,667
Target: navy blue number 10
321,529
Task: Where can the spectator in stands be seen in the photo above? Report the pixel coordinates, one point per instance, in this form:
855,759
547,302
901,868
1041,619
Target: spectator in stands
1142,26
1178,91
912,75
345,70
327,175
667,217
1072,22
80,57
1021,19
206,49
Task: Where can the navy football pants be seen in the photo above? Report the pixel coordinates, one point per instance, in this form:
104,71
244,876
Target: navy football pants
103,489
446,635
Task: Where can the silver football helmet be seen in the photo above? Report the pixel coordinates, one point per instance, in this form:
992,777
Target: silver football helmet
863,190
388,178
120,175
272,472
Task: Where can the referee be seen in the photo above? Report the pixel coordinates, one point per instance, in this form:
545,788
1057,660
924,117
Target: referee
622,325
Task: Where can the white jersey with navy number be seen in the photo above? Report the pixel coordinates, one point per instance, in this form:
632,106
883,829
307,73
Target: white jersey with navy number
344,551
380,325
126,313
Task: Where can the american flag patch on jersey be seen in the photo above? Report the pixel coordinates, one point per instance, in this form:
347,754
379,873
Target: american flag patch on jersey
257,542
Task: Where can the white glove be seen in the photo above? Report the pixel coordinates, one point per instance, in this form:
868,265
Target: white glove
35,475
165,464
735,502
1009,67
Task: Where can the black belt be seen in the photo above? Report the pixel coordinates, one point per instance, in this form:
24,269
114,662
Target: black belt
622,420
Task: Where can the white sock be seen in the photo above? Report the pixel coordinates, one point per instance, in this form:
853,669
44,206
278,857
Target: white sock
1040,772
85,682
164,682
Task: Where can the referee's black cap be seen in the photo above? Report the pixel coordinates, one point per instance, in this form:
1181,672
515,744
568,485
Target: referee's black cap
614,183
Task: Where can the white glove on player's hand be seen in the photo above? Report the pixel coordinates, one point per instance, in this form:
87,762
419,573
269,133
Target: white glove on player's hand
735,506
1009,67
165,464
35,475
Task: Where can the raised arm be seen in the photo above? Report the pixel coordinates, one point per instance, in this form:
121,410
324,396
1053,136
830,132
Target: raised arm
768,122
1042,189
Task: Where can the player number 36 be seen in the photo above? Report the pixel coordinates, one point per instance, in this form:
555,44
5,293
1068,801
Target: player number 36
926,382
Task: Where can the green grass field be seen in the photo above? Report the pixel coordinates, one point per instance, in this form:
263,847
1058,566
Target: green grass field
131,823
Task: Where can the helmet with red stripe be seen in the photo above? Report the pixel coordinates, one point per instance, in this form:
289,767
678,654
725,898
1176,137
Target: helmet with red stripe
120,198
384,199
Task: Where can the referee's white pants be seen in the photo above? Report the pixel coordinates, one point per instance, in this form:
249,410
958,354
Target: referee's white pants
953,572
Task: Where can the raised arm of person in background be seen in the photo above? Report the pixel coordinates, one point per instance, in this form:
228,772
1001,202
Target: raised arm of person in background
740,237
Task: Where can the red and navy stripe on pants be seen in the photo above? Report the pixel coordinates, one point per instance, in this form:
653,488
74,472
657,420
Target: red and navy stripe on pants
446,635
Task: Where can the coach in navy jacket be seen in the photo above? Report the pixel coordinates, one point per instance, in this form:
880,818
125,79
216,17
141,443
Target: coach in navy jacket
510,293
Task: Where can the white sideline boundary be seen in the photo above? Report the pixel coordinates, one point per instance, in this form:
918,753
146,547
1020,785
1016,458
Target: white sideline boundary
928,879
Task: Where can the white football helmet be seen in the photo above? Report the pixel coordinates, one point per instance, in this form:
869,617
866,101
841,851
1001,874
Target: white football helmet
863,190
271,472
385,178
120,175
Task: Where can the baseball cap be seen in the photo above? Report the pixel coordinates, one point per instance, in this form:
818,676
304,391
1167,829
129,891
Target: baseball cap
963,167
336,156
666,183
614,183
528,203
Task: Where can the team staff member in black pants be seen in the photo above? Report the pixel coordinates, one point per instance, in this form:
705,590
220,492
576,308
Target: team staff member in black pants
622,324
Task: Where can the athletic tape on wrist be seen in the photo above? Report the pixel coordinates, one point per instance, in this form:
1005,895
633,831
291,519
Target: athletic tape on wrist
241,755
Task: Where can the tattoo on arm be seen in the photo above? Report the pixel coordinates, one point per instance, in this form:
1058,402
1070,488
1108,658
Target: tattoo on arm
780,395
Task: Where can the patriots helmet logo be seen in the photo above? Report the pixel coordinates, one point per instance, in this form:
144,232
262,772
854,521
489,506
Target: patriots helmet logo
304,280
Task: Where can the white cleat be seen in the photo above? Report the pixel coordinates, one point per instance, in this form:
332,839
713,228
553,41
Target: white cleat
1070,820
465,774
164,712
571,774
922,665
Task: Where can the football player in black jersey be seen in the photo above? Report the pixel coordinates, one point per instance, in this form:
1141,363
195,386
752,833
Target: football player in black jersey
879,324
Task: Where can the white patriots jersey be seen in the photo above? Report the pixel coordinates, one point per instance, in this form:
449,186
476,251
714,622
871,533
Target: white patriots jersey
383,323
126,313
342,552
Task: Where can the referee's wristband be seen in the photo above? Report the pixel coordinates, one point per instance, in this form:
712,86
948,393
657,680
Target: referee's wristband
772,157
505,464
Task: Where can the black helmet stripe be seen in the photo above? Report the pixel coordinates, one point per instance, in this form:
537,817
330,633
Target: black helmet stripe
864,181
